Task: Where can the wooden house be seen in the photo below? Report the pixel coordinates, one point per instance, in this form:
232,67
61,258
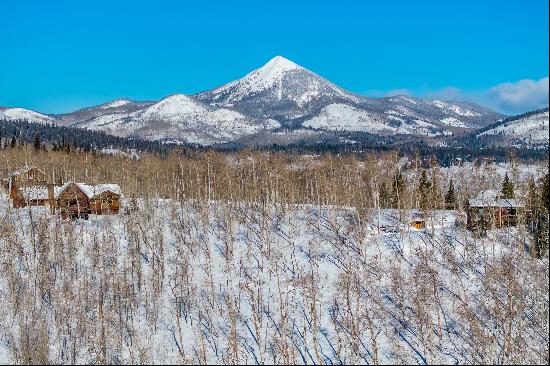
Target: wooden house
28,186
79,200
417,220
72,200
105,199
485,214
28,175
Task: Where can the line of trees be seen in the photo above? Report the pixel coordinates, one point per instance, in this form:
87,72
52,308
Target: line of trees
54,137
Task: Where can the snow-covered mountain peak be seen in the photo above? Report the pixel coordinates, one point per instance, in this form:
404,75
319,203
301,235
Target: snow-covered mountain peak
24,114
115,103
455,108
280,89
275,67
174,106
266,77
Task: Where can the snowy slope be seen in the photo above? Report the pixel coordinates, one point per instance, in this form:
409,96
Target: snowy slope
345,117
529,130
179,118
24,114
107,110
452,114
280,89
342,117
285,91
115,103
171,284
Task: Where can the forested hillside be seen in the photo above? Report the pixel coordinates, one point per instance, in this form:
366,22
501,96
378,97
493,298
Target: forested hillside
262,257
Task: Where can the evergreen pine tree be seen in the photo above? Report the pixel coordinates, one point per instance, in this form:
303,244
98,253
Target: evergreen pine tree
37,143
450,199
507,188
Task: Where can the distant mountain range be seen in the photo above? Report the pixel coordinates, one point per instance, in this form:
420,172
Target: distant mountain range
282,101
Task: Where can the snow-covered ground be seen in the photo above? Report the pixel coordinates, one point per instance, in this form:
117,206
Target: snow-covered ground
529,130
343,117
179,118
24,114
193,282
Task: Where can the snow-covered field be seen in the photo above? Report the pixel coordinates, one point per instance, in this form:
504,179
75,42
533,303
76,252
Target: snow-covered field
225,283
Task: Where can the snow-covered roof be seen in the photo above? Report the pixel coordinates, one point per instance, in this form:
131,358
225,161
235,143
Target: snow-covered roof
101,188
505,203
34,193
89,190
85,188
25,169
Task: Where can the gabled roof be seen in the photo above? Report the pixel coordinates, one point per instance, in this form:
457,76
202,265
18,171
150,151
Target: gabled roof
85,188
101,188
89,190
25,169
503,203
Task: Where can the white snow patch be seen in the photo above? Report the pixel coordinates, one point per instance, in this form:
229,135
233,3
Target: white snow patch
115,103
532,129
25,114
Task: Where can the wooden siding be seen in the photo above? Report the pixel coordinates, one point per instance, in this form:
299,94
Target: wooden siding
73,203
488,217
32,175
105,203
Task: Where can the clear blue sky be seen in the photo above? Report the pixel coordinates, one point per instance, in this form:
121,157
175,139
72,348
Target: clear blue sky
56,56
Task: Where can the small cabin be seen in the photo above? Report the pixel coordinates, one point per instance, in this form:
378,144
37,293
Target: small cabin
105,199
72,200
493,213
417,220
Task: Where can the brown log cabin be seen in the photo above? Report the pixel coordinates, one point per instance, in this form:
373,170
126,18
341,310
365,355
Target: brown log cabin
417,220
105,199
72,200
79,200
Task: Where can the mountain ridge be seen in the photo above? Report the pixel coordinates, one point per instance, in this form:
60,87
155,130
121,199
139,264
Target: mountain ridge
279,94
